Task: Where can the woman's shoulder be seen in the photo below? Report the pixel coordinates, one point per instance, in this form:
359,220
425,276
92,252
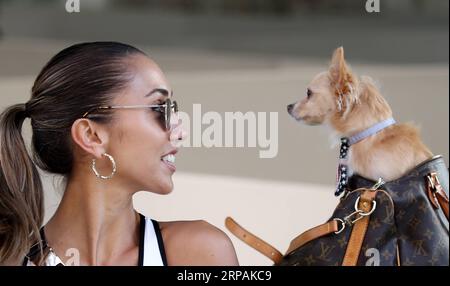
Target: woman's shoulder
196,243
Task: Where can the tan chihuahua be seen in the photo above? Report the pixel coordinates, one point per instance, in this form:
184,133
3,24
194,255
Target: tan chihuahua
373,145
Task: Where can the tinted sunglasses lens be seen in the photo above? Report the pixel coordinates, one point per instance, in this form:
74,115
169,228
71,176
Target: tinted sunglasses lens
168,114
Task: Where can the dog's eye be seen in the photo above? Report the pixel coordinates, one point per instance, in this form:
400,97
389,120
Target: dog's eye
308,93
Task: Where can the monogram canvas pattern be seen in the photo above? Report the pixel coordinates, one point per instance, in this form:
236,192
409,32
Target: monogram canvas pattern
404,229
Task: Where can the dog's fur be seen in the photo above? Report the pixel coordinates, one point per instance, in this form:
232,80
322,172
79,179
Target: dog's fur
349,104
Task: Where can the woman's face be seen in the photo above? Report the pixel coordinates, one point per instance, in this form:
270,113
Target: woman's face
139,142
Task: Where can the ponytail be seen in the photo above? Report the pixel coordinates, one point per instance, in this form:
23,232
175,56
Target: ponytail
21,192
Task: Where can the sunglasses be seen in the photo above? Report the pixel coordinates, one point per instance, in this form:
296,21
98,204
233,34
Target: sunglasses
167,110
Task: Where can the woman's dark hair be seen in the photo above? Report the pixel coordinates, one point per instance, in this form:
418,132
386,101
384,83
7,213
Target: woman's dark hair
77,79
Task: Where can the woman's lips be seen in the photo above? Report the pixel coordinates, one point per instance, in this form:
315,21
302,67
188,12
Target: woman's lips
169,161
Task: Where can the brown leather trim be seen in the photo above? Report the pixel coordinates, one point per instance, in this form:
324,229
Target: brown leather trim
359,229
443,201
313,233
253,241
436,193
431,189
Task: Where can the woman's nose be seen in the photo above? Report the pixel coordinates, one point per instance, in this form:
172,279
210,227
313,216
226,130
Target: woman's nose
177,133
175,121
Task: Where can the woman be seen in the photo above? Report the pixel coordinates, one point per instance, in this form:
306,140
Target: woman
102,115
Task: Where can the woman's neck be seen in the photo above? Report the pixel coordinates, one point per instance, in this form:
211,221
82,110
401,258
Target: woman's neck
97,219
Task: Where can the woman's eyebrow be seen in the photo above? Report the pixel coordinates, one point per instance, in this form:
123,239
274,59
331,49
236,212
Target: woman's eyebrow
162,91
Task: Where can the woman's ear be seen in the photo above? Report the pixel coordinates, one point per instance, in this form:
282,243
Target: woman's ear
90,136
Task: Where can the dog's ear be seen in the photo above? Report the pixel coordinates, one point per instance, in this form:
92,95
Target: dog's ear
341,76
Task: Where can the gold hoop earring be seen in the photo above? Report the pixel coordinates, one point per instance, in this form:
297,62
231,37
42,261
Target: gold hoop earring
97,174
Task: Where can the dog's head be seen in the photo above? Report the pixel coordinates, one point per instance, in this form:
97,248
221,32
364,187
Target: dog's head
329,93
338,98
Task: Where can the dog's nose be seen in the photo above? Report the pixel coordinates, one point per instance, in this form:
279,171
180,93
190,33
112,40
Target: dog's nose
289,107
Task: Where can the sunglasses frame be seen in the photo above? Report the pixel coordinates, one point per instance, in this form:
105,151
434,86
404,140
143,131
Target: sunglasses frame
167,109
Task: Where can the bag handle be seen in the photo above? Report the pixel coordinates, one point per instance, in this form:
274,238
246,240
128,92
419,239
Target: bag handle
270,251
253,241
366,204
365,207
321,230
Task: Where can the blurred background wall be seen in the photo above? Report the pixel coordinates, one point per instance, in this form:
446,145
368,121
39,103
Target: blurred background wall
248,55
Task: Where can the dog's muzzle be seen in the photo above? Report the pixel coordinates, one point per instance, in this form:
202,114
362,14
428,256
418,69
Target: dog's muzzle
290,107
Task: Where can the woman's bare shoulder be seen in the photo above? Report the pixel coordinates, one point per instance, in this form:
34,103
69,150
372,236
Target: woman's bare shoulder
196,243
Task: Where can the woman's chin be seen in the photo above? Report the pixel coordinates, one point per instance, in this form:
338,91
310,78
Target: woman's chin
164,188
167,190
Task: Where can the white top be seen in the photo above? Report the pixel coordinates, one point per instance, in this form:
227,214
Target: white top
153,250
